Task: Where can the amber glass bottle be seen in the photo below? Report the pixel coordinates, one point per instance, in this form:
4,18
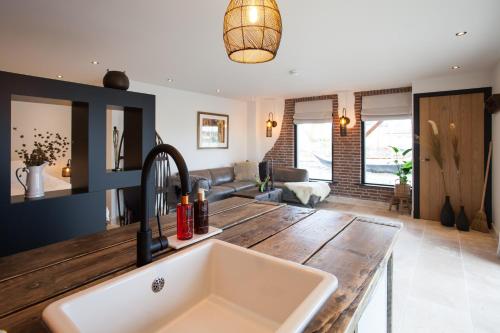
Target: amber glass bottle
201,213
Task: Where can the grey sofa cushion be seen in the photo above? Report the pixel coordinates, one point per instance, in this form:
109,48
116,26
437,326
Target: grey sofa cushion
222,175
219,193
238,186
203,183
281,174
203,174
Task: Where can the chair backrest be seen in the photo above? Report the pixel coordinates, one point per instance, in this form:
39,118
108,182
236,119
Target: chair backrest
131,197
162,178
282,174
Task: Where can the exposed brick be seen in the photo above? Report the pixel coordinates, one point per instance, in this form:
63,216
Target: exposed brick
346,150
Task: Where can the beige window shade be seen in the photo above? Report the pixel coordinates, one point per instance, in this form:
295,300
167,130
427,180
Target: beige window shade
313,112
386,107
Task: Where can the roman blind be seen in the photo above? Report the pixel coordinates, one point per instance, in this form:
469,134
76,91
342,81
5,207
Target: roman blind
386,107
313,112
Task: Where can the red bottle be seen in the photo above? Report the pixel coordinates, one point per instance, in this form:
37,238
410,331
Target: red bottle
184,219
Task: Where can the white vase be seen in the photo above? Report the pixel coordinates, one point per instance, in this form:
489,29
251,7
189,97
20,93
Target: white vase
34,181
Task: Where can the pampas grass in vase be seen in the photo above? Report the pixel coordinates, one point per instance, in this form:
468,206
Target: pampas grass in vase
447,216
462,222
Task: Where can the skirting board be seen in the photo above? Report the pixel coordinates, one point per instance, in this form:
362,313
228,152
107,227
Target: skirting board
174,243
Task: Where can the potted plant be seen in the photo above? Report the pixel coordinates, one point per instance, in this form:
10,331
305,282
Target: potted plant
403,170
262,185
46,149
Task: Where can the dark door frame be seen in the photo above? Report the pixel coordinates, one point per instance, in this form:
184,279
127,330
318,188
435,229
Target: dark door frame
487,91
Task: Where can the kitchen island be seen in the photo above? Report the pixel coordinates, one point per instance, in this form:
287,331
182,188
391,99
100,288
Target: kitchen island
358,251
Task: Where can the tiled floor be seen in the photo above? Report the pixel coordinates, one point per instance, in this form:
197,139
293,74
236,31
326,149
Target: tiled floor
444,280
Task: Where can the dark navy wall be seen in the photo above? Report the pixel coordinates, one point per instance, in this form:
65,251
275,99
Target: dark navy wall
62,215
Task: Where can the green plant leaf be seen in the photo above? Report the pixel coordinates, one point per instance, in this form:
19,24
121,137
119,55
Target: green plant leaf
395,149
407,151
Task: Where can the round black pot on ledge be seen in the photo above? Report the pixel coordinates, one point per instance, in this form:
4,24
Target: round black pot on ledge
447,214
462,220
116,80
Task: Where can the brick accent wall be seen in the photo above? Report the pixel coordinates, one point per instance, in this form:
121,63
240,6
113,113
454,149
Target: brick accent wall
283,150
347,163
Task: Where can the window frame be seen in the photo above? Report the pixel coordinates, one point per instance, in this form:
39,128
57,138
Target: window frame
363,162
295,153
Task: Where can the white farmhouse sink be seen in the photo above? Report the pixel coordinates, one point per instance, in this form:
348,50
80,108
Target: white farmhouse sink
212,287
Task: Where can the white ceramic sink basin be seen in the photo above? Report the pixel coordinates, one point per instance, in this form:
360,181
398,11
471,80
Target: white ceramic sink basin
212,287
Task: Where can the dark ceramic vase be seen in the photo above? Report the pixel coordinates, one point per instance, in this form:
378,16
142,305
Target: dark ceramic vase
115,80
447,214
462,220
264,173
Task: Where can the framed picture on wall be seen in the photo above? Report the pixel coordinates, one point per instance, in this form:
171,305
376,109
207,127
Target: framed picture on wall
213,131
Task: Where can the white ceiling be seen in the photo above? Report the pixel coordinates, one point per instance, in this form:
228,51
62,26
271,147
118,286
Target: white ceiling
334,44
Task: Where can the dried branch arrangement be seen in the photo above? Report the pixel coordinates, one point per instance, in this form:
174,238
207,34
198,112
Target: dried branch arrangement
436,150
456,157
47,148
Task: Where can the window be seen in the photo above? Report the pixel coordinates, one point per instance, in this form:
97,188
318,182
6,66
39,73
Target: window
314,149
379,135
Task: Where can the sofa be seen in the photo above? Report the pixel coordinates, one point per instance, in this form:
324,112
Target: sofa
221,183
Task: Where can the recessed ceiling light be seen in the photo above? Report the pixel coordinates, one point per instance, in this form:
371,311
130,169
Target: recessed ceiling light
455,67
461,33
94,62
59,76
170,80
218,91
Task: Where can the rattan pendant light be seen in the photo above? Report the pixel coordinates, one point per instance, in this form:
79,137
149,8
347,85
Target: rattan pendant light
252,30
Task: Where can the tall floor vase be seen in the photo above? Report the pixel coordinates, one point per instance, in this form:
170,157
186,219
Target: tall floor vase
447,214
463,223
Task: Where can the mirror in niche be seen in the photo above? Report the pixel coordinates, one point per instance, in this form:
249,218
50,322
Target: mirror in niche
115,145
40,146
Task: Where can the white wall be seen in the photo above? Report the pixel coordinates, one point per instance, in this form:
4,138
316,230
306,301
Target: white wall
258,114
176,121
252,131
496,151
453,82
264,107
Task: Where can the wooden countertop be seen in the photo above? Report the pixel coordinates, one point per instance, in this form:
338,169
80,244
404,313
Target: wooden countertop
354,249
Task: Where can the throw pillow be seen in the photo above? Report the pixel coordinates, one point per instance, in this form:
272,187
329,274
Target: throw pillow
246,171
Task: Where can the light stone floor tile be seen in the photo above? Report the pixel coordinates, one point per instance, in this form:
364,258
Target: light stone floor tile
445,281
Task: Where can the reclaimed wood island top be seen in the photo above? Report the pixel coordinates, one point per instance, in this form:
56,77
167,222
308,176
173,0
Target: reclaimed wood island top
354,249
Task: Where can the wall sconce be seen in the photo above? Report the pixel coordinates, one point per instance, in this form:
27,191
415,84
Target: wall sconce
344,121
270,123
66,171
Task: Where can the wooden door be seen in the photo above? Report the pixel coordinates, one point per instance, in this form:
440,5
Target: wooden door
466,111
